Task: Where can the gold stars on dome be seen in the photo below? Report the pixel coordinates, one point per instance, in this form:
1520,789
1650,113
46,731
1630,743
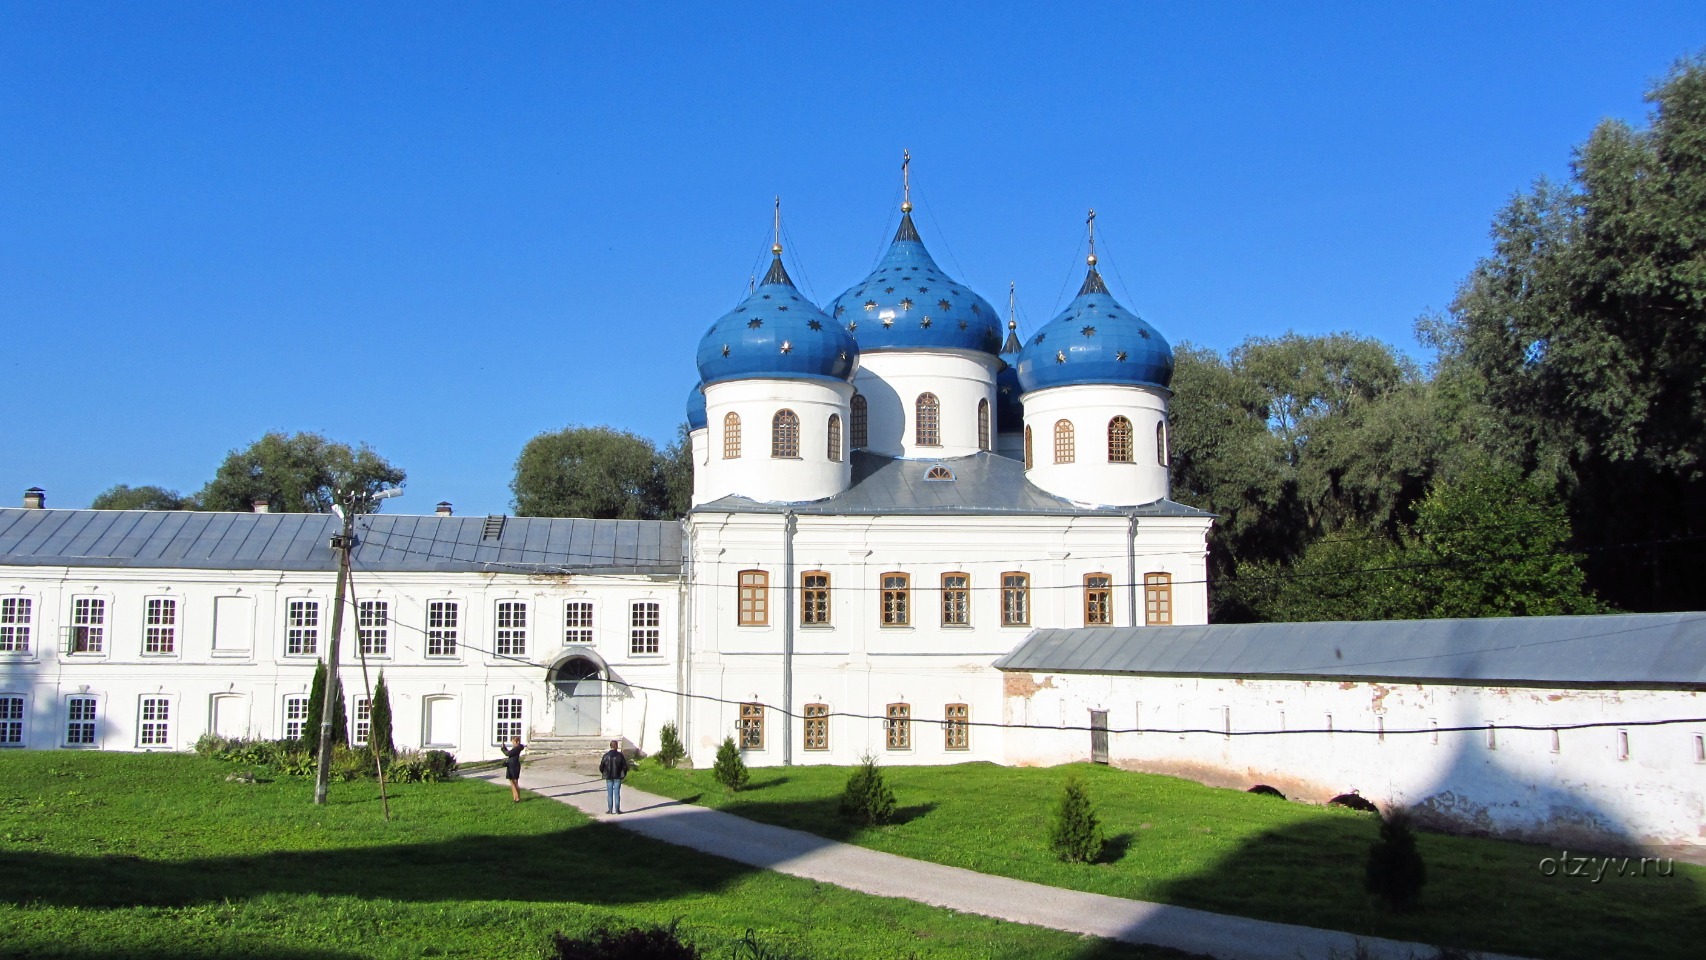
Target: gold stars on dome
888,321
787,346
1060,356
852,326
725,349
1120,356
814,324
754,323
870,305
944,305
906,303
964,324
1088,331
925,323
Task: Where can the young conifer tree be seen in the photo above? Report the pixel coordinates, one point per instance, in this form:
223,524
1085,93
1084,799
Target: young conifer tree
316,703
379,738
730,770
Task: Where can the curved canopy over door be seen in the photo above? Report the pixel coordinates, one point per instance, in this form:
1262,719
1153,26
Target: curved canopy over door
577,695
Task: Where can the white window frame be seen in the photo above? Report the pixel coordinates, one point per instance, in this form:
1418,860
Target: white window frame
444,632
286,719
509,627
298,631
380,631
154,729
14,728
74,723
580,619
360,720
89,633
166,629
647,632
509,717
17,625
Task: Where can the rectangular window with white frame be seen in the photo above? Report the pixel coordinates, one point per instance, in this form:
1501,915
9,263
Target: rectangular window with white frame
295,715
373,627
444,628
361,730
160,626
88,625
11,720
511,635
15,624
577,623
302,628
80,714
645,628
154,728
509,714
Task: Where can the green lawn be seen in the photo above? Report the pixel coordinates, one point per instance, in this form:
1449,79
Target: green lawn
1175,841
115,855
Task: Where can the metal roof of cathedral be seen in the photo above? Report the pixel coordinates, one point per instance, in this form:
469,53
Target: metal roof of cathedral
301,541
980,484
908,303
1095,340
776,334
1623,650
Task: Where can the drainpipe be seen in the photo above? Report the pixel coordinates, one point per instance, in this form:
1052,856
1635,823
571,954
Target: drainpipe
684,613
1131,562
788,526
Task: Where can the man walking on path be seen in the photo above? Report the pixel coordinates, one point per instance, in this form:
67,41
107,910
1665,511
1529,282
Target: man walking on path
613,766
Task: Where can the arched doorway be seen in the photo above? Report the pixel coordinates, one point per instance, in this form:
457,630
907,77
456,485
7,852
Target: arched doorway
577,697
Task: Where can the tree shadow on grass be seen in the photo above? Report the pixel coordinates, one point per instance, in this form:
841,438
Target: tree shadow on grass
1115,847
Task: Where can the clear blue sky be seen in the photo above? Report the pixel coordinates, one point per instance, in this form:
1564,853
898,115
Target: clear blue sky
444,228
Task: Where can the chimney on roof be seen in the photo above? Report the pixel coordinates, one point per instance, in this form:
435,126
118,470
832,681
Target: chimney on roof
444,509
262,505
35,498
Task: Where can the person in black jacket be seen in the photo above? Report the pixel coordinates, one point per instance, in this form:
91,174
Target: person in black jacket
613,766
512,767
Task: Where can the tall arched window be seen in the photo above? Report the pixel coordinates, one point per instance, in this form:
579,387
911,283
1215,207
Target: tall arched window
858,419
731,436
928,423
1065,449
785,435
1027,447
835,438
1161,443
1119,440
983,424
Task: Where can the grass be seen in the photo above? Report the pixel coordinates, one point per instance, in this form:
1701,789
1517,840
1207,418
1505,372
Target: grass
1175,841
157,856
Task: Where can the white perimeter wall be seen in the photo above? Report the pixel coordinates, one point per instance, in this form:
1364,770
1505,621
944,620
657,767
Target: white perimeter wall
241,686
1578,786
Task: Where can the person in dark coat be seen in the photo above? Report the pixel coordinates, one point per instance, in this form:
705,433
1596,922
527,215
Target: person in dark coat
512,767
613,766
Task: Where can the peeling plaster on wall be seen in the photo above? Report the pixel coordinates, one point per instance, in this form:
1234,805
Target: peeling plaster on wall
1025,685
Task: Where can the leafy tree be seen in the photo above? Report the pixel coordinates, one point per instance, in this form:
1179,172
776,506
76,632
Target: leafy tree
1076,834
867,798
596,472
380,717
730,770
298,473
1585,334
123,497
676,466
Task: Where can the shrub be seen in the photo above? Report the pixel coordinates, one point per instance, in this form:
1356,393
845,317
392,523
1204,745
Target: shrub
1395,871
316,708
1077,835
730,769
634,943
352,763
867,798
670,750
380,737
415,766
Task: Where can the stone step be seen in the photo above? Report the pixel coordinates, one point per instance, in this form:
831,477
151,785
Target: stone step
577,746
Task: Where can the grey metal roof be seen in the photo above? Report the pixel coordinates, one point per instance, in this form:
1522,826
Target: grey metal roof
984,483
1659,649
301,541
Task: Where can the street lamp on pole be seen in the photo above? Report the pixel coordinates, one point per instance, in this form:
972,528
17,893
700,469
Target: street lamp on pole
344,544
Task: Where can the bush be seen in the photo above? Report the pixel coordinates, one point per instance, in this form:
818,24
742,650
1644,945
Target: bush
670,750
634,943
415,766
1395,871
380,718
730,769
316,708
352,764
867,798
1077,835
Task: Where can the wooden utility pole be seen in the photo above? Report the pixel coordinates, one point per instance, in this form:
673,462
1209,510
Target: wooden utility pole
323,763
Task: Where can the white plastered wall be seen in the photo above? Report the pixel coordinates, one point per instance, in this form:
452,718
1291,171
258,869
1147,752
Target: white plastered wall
757,475
1090,477
891,382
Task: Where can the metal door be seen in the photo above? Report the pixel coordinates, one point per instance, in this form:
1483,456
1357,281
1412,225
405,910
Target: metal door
1098,736
578,698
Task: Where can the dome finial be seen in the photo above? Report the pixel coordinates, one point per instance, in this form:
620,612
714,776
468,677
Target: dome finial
1091,222
906,181
776,245
1012,344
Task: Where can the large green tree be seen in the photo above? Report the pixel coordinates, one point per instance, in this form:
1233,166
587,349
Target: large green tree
124,497
298,473
1584,333
602,473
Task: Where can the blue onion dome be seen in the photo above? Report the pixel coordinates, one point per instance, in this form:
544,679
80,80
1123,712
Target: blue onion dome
908,303
775,333
697,418
1009,412
1095,340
